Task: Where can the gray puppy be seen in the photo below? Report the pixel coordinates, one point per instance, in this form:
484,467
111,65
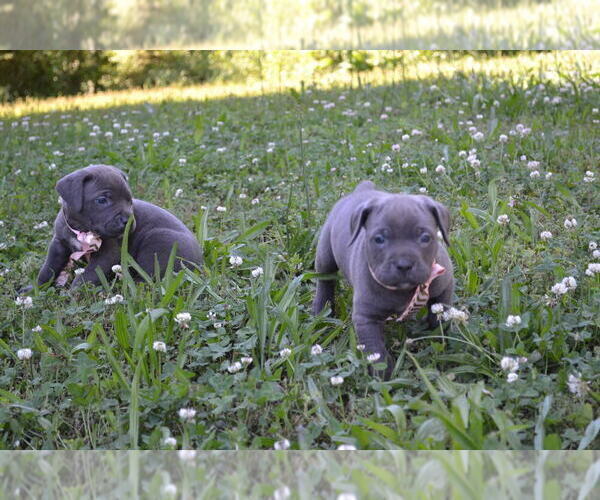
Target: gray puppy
96,205
386,247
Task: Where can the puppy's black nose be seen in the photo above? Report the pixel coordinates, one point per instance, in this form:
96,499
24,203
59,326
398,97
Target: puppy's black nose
122,220
404,265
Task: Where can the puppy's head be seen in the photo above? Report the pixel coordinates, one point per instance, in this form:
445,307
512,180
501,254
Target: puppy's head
400,237
96,198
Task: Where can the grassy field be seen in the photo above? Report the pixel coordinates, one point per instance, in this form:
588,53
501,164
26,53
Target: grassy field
514,157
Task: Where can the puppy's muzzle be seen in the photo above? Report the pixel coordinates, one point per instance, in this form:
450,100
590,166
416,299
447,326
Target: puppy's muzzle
117,225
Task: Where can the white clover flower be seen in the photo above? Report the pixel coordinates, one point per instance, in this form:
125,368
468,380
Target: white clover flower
396,147
423,170
570,282
592,245
235,261
116,299
169,490
559,289
178,193
243,196
437,309
170,441
221,149
221,209
186,455
595,254
246,360
217,325
256,272
234,367
116,269
346,496
456,315
79,270
422,190
284,444
361,347
285,352
183,319
187,413
405,137
346,447
373,357
576,385
503,138
336,380
509,364
589,176
513,320
24,302
478,136
545,235
440,169
255,201
570,223
41,225
503,219
592,269
533,164
36,329
535,174
24,354
512,377
182,161
159,346
281,493
316,350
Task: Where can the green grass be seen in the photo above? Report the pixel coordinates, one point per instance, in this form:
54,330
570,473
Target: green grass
94,380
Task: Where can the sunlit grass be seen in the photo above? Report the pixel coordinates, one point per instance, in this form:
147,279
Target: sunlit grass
283,70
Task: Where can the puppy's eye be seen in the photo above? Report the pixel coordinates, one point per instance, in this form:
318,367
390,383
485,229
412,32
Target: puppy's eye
425,238
101,200
379,239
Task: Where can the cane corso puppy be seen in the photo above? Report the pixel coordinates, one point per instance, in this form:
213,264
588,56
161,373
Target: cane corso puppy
386,246
96,205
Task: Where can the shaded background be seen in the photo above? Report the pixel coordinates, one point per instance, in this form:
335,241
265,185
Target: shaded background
44,73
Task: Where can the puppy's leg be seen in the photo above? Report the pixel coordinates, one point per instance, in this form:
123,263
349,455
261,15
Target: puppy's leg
56,260
370,334
443,298
324,263
108,255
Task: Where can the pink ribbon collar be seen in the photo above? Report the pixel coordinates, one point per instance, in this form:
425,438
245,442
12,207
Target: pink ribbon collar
89,242
421,293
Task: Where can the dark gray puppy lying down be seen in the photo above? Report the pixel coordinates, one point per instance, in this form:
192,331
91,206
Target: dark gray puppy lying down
386,247
96,205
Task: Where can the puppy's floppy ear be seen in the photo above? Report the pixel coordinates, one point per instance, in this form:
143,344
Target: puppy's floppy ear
441,216
70,188
359,219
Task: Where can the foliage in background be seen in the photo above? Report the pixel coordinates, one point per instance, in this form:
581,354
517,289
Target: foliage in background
45,73
70,72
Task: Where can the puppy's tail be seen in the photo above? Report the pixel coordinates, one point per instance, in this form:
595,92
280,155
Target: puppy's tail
365,186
